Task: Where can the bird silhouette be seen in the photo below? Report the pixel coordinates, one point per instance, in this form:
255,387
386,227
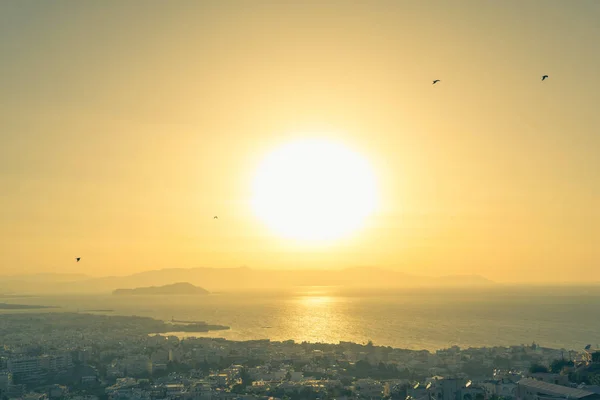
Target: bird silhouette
78,258
435,81
215,217
544,77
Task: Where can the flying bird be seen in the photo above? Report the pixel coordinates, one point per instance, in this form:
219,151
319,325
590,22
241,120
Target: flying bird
435,81
468,384
589,346
78,258
215,217
544,78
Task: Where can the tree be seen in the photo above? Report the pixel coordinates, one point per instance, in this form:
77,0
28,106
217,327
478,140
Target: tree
594,379
537,368
238,389
502,363
474,368
557,366
246,378
346,381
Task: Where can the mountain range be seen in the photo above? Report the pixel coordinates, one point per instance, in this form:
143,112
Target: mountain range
233,279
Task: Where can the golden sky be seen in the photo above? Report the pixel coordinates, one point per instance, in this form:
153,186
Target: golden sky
125,126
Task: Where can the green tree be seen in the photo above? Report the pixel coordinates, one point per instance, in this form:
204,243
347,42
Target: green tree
246,378
594,379
537,368
238,389
557,366
502,362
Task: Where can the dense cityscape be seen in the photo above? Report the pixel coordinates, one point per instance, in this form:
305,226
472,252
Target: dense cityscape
94,357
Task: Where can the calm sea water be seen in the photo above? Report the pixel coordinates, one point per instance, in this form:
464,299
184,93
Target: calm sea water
414,319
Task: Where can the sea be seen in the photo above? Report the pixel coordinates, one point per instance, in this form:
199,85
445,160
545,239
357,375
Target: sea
431,319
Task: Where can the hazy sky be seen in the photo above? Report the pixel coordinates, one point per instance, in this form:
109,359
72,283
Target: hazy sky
125,126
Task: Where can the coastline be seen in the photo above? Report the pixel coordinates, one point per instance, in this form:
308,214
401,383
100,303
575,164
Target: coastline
410,322
10,306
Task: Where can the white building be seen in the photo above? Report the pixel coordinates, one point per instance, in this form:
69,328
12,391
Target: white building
449,389
296,376
24,365
5,380
368,388
57,362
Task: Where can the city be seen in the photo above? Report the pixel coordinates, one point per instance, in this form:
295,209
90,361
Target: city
92,357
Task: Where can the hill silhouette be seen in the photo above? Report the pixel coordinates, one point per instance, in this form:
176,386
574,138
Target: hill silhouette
180,288
245,278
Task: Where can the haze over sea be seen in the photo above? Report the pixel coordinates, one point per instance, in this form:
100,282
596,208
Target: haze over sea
560,317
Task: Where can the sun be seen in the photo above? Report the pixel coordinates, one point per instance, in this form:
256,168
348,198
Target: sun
314,190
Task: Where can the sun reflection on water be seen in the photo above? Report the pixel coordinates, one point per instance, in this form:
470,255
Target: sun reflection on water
316,318
313,300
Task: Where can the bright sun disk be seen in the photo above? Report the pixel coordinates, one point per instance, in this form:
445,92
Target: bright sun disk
314,190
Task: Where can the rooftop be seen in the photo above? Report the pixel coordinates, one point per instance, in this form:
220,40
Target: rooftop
556,389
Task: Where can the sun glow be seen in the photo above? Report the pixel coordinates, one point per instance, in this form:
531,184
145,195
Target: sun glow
314,190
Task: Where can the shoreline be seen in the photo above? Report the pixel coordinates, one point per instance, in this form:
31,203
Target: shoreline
190,336
140,326
11,306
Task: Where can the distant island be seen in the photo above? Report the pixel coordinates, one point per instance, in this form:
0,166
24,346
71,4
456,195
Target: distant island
182,288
